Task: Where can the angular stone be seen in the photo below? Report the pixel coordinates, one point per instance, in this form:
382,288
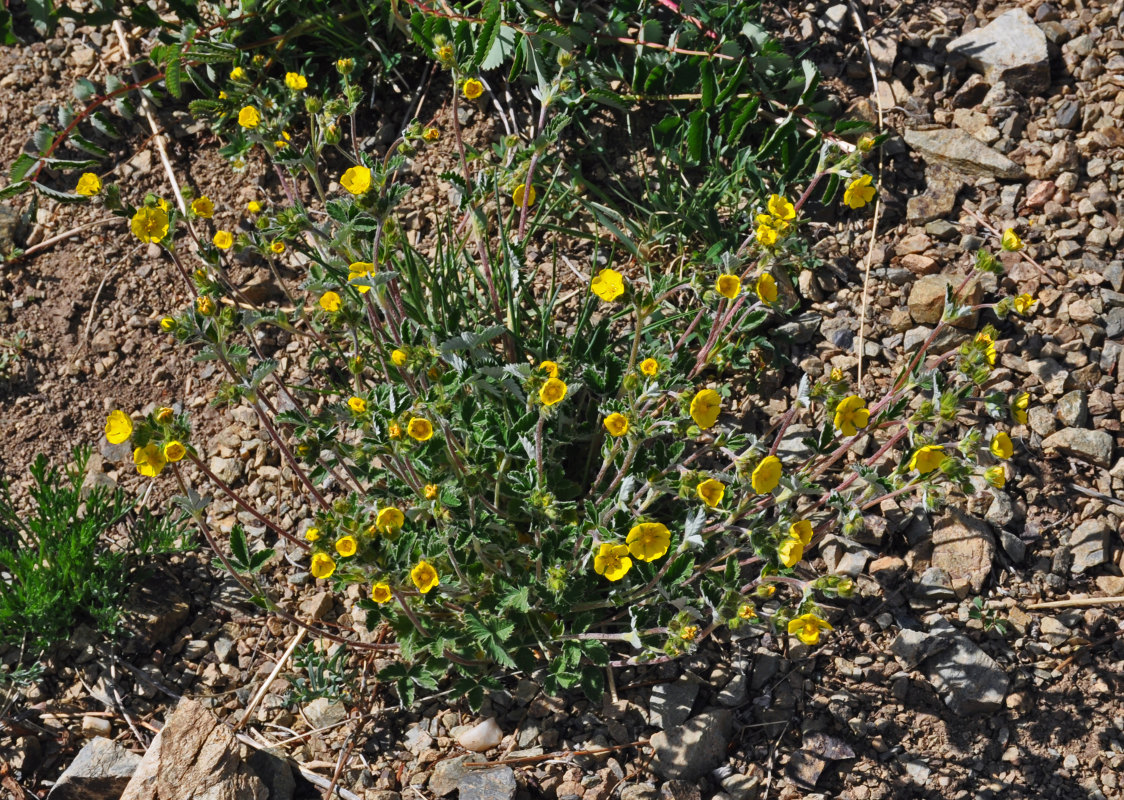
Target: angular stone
1092,446
967,677
963,152
155,610
323,713
691,750
964,547
939,199
497,783
1073,409
926,298
1011,49
1089,545
100,771
671,703
447,774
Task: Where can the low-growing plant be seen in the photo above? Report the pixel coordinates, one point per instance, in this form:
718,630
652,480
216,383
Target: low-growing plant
325,675
59,561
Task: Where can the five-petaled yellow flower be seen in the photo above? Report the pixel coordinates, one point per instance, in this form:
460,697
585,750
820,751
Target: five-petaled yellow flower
927,459
223,240
801,530
766,235
174,451
420,429
430,491
1023,303
552,392
346,546
254,207
203,207
728,286
650,367
996,476
851,414
550,368
296,81
312,534
237,74
648,540
330,301
1001,446
277,246
608,284
859,192
150,224
807,628
1019,406
989,347
380,592
205,305
472,88
431,134
398,357
164,415
766,288
424,576
705,406
389,519
766,475
781,208
790,551
89,184
1010,241
249,117
612,561
747,611
356,180
322,565
149,460
360,269
711,492
517,196
357,405
616,424
118,427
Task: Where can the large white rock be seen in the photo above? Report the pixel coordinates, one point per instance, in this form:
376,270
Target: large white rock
1011,49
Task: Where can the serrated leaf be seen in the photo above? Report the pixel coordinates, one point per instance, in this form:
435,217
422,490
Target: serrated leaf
709,85
84,89
488,31
58,196
14,188
239,552
85,145
101,121
173,76
21,166
696,136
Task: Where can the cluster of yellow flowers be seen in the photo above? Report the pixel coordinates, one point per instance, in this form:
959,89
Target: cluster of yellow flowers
776,223
151,458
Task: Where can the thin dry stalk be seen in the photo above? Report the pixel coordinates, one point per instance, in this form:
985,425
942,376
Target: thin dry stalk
1078,602
273,674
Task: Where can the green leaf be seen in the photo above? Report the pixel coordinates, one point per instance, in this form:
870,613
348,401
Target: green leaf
84,89
696,136
709,85
488,31
240,554
13,189
22,166
173,76
58,196
85,145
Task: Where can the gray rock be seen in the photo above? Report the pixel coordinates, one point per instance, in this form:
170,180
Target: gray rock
1011,49
963,152
1013,545
804,769
927,296
323,712
734,693
1073,409
968,678
964,547
844,556
100,771
766,663
274,771
802,328
1068,115
639,791
1089,545
447,774
1114,323
671,703
792,447
835,18
497,783
912,647
680,790
1052,374
1092,446
934,586
227,470
938,200
154,611
1041,421
691,750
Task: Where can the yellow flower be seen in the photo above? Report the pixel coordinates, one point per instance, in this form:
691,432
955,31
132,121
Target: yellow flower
118,427
223,240
167,324
836,374
648,540
780,208
249,117
174,451
394,432
996,476
420,428
1001,446
164,415
357,404
223,96
445,52
859,192
430,491
807,628
612,561
312,534
149,461
766,288
380,592
608,284
150,224
203,207
472,88
766,235
801,530
550,368
277,246
356,180
330,301
398,357
705,406
1023,303
296,81
927,459
552,392
389,519
346,546
711,492
517,196
431,134
283,141
424,577
767,475
747,611
322,565
688,632
790,552
1019,406
851,414
989,347
205,305
89,184
360,269
254,207
728,286
766,590
1011,241
650,367
616,424
237,74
